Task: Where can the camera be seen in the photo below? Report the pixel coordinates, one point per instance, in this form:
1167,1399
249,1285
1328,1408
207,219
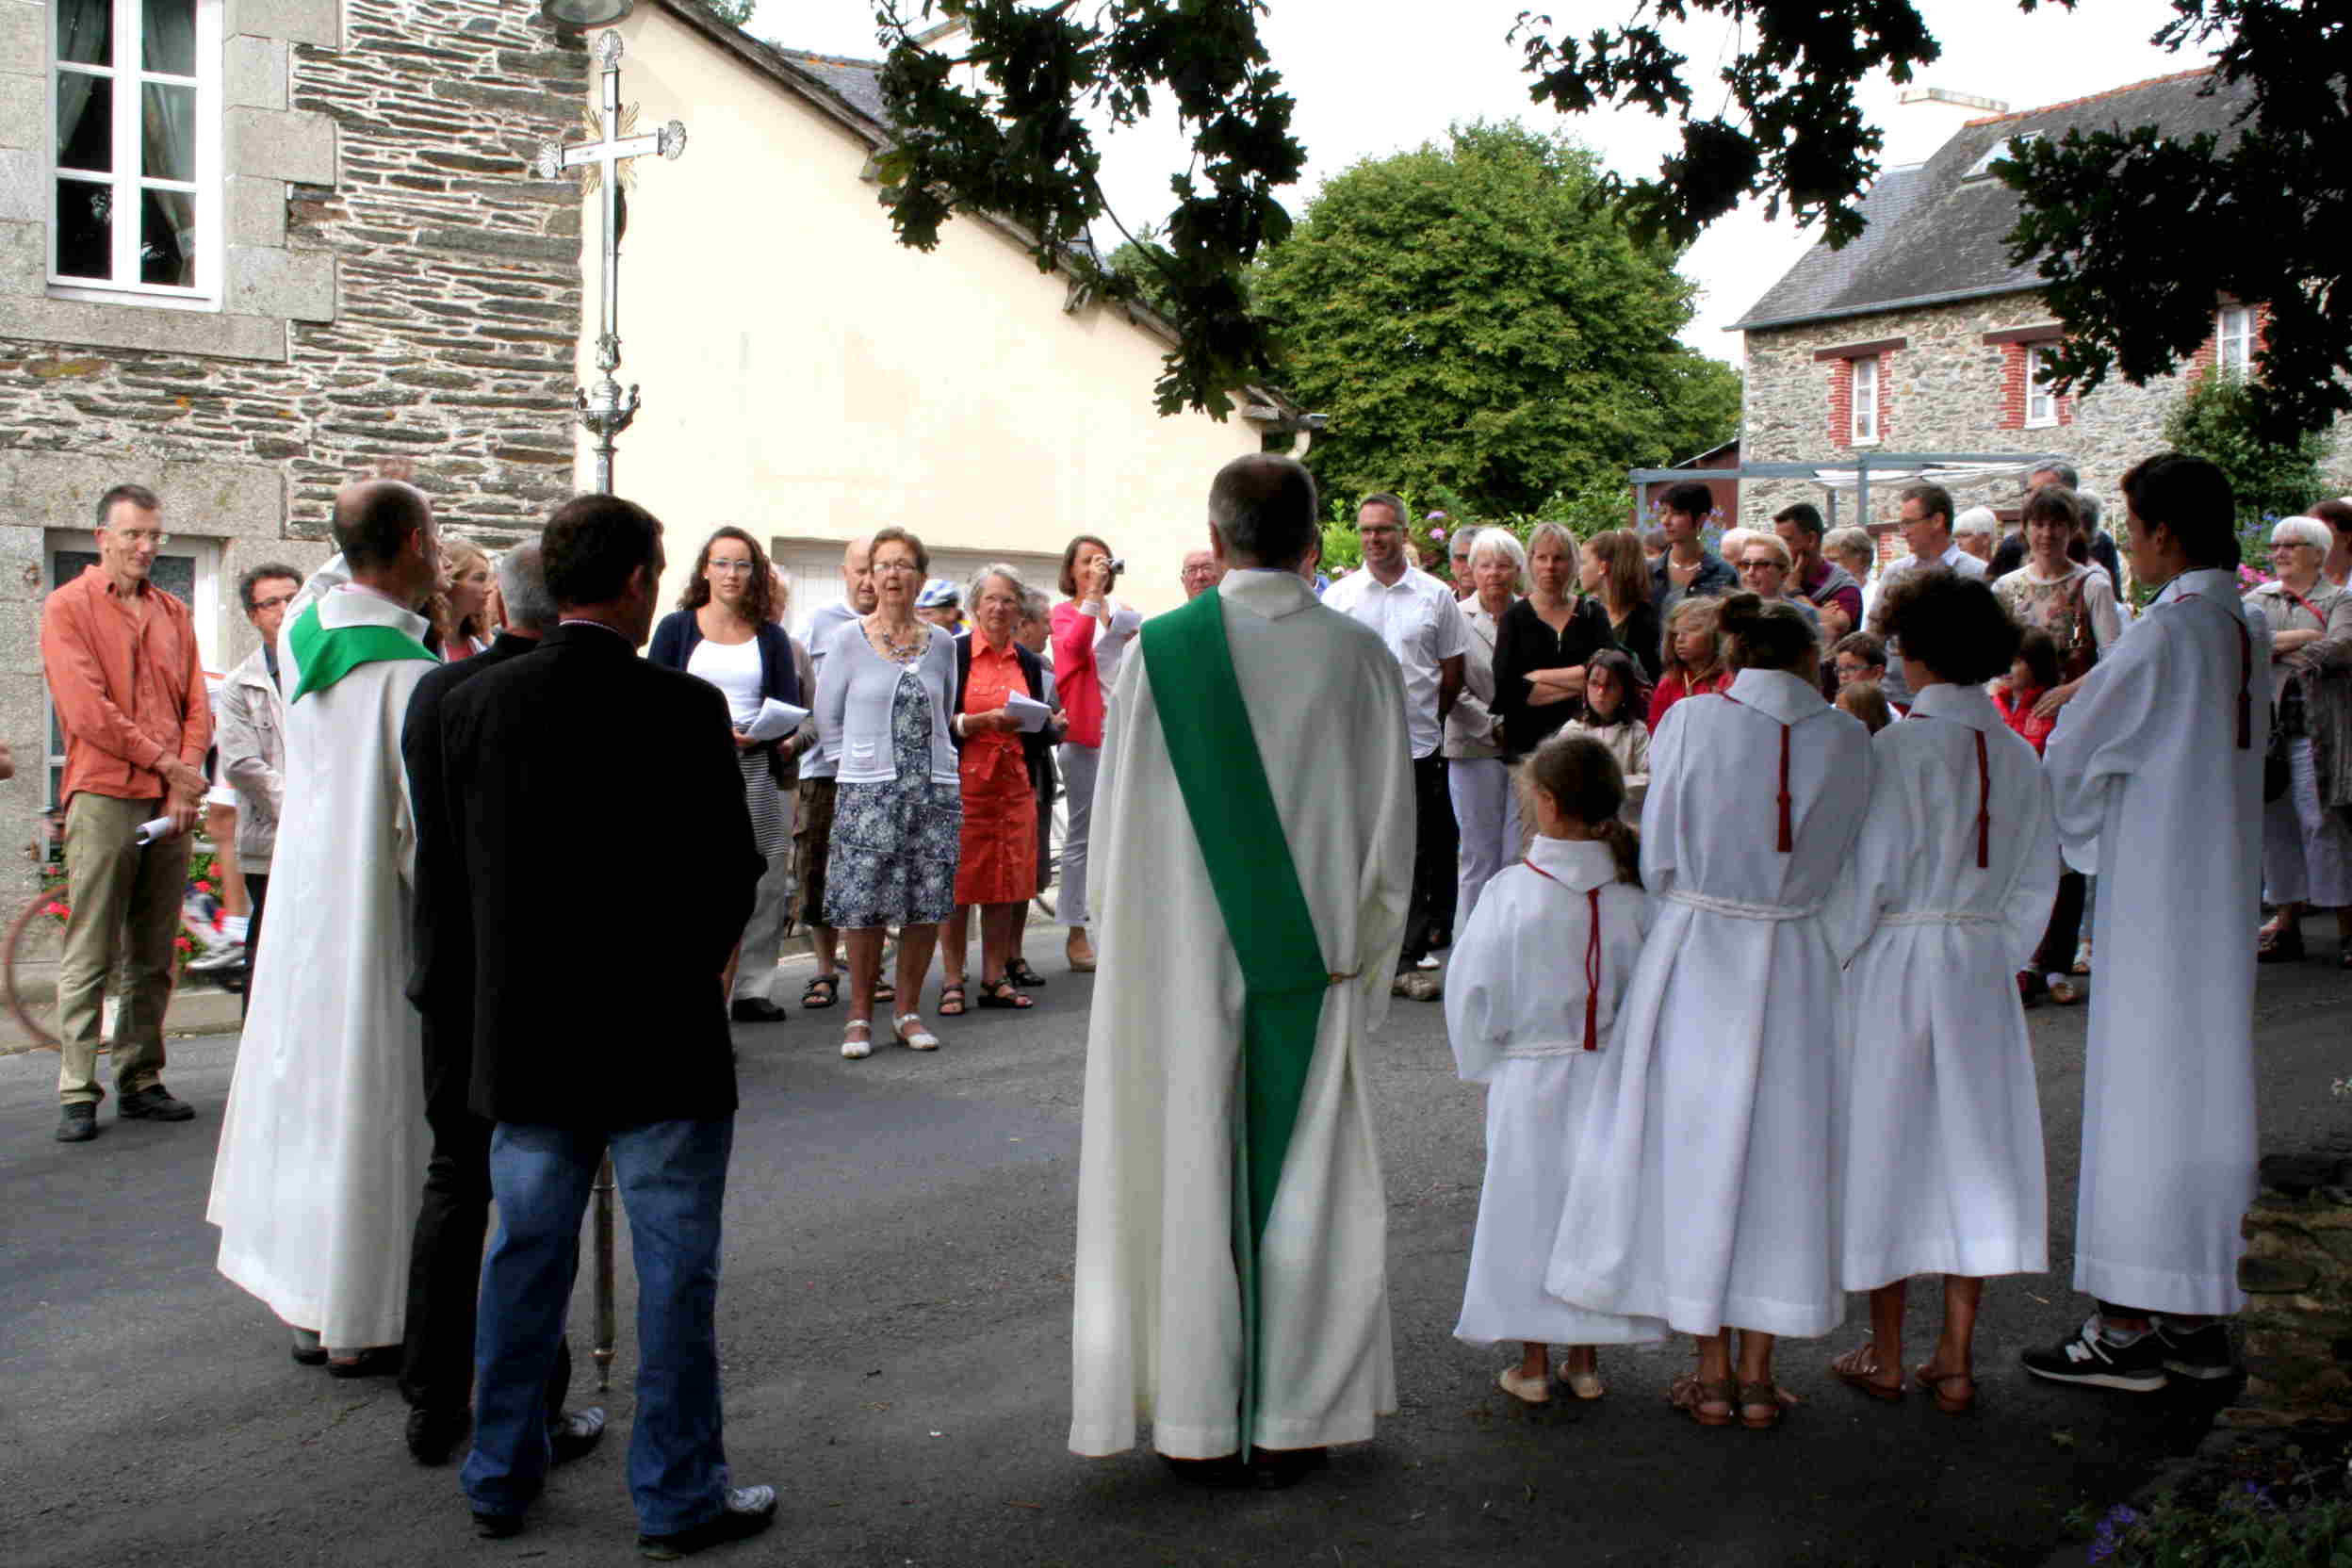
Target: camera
1116,565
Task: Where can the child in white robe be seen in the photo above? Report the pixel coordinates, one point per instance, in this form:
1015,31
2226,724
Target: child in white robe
1954,878
1530,995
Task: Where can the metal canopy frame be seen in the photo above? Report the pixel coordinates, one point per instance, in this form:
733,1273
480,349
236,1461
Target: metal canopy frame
1966,468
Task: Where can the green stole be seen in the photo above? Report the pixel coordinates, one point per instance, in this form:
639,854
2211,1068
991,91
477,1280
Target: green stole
327,656
1232,808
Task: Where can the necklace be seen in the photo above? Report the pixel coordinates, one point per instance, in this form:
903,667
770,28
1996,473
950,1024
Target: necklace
900,650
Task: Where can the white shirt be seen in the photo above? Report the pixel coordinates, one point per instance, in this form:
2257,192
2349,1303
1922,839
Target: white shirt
823,622
1420,621
1111,641
734,668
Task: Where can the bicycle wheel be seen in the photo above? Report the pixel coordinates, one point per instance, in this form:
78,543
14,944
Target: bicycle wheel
28,971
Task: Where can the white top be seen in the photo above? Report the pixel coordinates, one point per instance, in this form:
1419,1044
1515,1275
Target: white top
1954,559
1516,982
1111,641
1471,728
1419,619
734,669
823,622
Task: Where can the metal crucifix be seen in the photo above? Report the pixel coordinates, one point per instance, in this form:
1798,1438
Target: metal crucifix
603,409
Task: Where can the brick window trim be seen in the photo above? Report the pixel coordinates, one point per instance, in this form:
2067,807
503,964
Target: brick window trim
1841,392
2209,352
1873,349
2047,332
2015,352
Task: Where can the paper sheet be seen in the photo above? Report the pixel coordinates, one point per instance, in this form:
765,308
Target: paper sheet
775,719
1032,713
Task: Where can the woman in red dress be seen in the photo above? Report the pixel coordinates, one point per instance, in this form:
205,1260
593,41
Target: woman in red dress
998,865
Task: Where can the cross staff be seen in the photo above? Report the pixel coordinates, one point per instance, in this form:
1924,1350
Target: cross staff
603,409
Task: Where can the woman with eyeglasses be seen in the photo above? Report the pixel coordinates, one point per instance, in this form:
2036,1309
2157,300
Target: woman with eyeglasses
2307,855
723,631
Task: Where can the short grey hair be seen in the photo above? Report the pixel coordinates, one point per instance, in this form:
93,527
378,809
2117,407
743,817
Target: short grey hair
1975,520
2304,531
523,584
2065,472
1850,540
995,568
1557,533
1036,604
1502,542
1779,545
2089,503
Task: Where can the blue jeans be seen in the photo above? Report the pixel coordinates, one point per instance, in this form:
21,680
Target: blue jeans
672,1177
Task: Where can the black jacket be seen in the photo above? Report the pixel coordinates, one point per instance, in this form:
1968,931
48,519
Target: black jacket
556,772
674,643
1037,747
1524,643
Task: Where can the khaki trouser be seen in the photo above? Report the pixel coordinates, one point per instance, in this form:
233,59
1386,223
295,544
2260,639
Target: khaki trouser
125,906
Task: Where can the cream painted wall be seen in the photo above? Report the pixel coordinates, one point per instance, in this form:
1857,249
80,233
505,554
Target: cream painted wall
806,376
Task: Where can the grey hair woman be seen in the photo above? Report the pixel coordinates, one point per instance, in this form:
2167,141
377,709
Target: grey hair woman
2307,853
1486,808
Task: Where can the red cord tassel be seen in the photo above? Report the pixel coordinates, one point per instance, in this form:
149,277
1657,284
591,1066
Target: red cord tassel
1984,807
1593,976
1788,839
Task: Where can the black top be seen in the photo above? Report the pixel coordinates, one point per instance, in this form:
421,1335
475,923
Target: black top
530,790
1524,643
1716,576
1643,636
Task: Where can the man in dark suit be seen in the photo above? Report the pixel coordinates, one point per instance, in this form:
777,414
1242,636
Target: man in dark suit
444,1259
544,758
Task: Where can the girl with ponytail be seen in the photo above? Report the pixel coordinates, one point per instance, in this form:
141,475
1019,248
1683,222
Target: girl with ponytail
1531,997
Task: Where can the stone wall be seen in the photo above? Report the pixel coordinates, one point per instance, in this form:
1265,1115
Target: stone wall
409,289
2298,1276
1944,390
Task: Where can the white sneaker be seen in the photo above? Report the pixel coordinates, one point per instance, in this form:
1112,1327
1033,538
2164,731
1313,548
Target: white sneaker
218,955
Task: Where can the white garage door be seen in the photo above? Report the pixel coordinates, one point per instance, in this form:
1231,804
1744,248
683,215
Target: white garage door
814,567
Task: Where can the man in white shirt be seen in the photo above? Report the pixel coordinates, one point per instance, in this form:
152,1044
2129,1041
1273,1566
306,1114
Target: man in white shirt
812,829
1926,521
1417,618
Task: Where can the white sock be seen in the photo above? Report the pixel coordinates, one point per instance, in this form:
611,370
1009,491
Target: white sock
235,926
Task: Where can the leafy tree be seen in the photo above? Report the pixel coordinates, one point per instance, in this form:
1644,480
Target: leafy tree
2218,420
2120,225
1471,317
735,13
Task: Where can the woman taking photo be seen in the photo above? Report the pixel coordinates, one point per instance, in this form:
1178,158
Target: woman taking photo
1694,656
1091,631
1618,574
2307,855
1703,1189
1486,808
1542,643
724,631
996,866
882,710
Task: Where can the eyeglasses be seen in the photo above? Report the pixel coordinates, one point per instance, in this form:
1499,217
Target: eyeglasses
894,566
138,536
729,566
260,605
1760,566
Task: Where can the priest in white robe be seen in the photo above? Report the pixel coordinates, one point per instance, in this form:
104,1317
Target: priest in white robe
1231,1270
323,1145
2156,780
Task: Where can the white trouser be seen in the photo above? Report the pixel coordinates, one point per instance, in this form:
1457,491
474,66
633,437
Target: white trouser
1079,764
1486,809
2307,855
764,932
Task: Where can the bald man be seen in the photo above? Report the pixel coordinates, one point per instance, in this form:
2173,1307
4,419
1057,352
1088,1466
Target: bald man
325,1144
1202,571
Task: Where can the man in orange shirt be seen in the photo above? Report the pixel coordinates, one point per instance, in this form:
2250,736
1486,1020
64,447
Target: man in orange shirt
121,657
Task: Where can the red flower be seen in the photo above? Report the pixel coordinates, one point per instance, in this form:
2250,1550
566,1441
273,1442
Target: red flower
53,908
184,944
204,887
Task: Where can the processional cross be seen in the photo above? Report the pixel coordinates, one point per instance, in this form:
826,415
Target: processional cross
603,409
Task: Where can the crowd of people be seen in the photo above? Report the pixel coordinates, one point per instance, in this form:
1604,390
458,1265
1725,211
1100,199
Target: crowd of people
1692,828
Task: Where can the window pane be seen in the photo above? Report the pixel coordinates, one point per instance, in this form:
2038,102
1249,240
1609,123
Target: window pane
85,230
85,31
168,131
166,237
167,35
85,121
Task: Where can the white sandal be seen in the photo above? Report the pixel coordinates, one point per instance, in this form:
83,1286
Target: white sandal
922,1039
856,1050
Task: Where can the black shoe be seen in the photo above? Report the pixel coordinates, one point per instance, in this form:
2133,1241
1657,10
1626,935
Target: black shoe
79,1124
2202,1353
1277,1469
1221,1474
744,1512
433,1434
154,1104
497,1527
753,1009
577,1434
2086,1357
380,1361
1020,973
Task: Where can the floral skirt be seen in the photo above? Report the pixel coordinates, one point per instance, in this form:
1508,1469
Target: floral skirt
894,855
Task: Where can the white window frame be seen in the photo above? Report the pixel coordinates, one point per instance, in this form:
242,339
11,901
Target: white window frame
127,177
2234,324
1861,408
2041,401
204,612
2006,147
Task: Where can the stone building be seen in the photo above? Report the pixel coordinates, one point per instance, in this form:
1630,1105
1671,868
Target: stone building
250,248
1920,335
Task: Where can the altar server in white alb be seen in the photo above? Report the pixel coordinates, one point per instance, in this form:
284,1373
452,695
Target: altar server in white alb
1537,974
323,1146
1704,1184
2156,778
1254,844
1951,887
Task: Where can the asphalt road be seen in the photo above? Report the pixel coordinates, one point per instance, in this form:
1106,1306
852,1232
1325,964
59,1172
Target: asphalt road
894,1320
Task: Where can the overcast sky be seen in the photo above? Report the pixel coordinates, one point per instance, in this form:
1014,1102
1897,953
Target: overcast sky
1375,76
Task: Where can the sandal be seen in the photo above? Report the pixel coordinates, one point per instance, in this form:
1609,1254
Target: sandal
821,992
1859,1368
2065,992
1769,1397
2283,946
1002,994
857,1039
885,990
1691,1394
2081,964
918,1039
1951,1404
1020,973
952,1000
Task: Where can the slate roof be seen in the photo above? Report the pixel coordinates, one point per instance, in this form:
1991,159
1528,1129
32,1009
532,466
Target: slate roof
857,83
1936,235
